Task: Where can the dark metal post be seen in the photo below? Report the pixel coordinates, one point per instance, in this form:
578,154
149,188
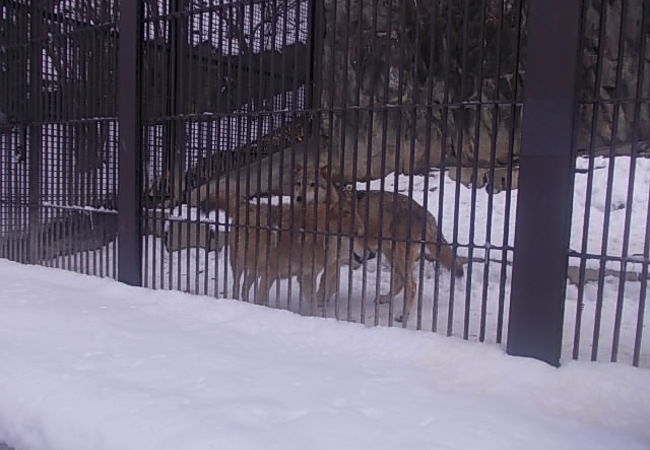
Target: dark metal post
315,41
545,181
35,138
178,93
130,152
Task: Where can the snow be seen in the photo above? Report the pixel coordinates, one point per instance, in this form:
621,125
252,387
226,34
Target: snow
89,363
620,203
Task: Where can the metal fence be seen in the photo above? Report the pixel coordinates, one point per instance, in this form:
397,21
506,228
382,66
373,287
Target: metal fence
443,165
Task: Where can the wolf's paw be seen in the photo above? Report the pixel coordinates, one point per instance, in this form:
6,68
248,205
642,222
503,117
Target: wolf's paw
402,318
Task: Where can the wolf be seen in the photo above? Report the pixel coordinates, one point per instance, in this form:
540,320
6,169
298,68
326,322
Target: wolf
394,224
272,242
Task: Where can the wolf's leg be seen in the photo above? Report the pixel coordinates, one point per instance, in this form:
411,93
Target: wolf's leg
397,285
396,260
263,289
235,284
236,276
249,279
306,281
410,298
410,257
327,286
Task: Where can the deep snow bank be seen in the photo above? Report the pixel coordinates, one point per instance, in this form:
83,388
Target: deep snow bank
87,363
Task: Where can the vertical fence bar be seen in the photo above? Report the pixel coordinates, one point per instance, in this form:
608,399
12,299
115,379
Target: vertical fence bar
130,138
545,185
35,138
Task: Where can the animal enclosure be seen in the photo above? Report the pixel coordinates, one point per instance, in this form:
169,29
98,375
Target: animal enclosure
449,165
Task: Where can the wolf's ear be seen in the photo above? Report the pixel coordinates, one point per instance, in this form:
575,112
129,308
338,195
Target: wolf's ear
297,168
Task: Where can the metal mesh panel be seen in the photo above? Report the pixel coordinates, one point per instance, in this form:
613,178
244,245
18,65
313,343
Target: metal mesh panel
245,97
353,159
608,264
66,124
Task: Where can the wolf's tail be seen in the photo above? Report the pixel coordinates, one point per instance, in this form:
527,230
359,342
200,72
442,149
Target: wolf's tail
443,253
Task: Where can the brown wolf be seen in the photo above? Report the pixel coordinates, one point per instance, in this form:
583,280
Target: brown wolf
302,242
394,220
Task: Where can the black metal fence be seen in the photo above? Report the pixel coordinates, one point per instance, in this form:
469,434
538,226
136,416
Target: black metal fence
443,165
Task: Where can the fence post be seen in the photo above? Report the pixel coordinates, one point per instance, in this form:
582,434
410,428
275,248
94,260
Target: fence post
129,258
545,181
35,138
313,91
179,46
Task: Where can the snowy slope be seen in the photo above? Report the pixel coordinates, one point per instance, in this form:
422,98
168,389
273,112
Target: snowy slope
90,364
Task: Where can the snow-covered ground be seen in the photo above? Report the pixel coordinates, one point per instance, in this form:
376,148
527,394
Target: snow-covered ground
90,364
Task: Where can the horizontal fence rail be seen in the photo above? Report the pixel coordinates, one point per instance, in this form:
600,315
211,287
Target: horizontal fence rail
370,161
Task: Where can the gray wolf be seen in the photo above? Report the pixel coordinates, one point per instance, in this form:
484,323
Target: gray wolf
270,243
394,224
